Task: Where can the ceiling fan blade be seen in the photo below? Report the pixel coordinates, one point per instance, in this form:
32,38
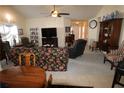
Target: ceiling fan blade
59,16
63,14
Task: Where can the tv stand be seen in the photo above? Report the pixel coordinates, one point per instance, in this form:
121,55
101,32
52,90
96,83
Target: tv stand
50,41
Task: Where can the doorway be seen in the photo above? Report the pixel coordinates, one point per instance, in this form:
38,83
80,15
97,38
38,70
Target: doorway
80,29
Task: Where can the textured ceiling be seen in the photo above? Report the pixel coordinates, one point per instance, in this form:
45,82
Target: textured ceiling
76,11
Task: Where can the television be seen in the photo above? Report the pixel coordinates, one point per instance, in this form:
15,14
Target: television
48,32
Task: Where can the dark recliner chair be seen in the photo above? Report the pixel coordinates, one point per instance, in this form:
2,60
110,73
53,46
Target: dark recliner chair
78,48
26,43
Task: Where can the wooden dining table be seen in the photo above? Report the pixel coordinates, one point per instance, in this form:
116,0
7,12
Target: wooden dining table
23,77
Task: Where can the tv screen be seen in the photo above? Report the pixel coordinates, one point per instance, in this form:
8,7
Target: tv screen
48,32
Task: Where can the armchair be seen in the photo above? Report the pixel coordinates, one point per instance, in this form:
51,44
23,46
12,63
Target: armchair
115,56
25,42
78,48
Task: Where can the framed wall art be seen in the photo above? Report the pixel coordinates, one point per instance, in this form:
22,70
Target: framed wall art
20,31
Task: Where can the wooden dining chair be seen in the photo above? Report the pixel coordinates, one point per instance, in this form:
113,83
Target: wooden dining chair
26,58
115,56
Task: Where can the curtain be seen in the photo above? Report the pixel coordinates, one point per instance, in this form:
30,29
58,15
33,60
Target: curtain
9,33
80,31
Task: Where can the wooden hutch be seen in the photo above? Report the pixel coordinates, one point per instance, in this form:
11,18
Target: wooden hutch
110,34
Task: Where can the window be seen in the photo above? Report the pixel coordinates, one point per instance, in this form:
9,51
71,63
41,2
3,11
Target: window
9,33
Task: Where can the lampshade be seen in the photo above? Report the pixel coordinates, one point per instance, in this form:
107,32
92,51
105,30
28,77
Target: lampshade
54,13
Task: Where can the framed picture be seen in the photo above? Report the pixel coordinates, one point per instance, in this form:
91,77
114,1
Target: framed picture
20,31
67,29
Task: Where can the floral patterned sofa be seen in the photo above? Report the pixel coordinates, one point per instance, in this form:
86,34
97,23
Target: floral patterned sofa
50,59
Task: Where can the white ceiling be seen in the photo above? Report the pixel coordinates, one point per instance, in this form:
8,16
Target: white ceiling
76,11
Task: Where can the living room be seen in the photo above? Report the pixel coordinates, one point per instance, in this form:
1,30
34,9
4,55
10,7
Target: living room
88,67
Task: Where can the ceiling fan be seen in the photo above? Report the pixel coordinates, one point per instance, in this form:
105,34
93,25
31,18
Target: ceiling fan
55,13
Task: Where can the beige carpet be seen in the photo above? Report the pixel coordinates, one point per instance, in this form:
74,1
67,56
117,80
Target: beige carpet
86,70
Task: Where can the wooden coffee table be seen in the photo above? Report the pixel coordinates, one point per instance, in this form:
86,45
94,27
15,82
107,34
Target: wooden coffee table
23,77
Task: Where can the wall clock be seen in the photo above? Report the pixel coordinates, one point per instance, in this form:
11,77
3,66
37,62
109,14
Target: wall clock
92,24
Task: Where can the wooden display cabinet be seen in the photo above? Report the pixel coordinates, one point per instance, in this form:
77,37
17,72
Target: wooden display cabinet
110,34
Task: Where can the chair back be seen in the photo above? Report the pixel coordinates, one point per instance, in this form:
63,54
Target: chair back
115,56
79,44
25,40
26,43
121,48
78,48
27,59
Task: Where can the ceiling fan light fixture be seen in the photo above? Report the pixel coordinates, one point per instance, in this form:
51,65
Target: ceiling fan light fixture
54,13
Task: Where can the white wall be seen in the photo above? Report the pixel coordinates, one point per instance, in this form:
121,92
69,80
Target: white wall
18,19
67,22
49,22
94,33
